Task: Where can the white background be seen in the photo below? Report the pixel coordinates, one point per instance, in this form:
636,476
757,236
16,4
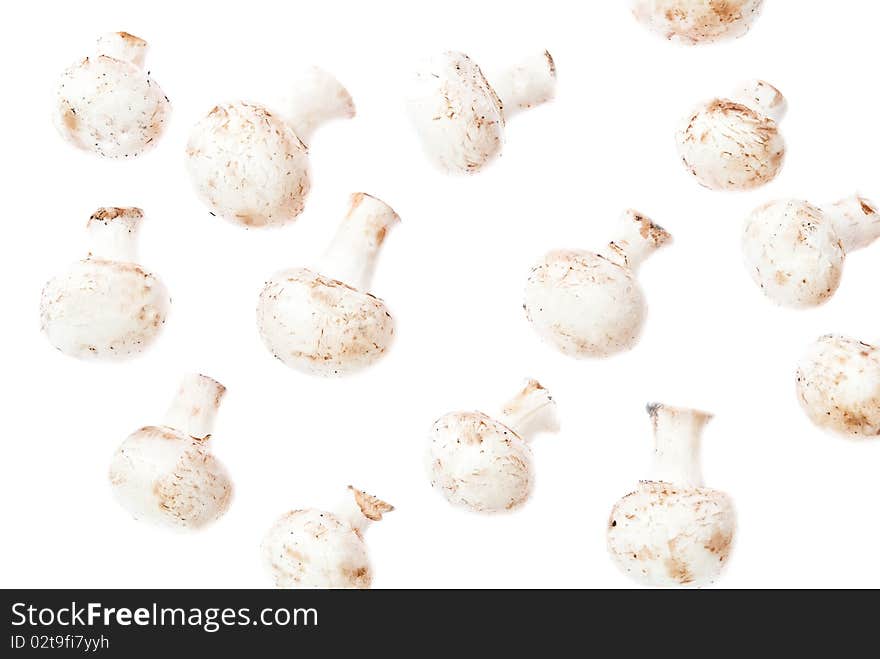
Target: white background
452,274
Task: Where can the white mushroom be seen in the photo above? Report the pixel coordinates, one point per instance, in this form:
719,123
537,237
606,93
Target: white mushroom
795,251
591,305
697,21
460,117
318,549
324,321
108,104
106,306
485,465
250,165
672,530
166,474
838,385
734,143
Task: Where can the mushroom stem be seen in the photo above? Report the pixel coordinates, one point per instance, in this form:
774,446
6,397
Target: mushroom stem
361,509
195,407
677,436
856,222
317,97
113,233
351,257
531,412
124,47
529,83
762,97
638,238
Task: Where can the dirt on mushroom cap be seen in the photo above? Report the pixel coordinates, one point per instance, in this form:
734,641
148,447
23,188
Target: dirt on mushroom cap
163,476
322,326
584,304
316,549
697,21
248,165
729,146
110,107
479,463
457,114
793,253
662,535
103,310
838,386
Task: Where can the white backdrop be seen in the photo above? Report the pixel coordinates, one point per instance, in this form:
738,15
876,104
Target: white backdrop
452,274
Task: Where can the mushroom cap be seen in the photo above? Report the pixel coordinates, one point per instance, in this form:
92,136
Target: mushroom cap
316,549
457,114
793,252
585,304
165,477
248,165
478,463
103,309
110,107
322,326
663,535
697,21
838,385
727,145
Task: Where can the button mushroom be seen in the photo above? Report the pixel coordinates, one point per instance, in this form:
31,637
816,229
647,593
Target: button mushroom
317,549
591,305
460,117
838,385
250,165
672,530
166,474
105,306
734,143
795,251
697,21
483,464
324,321
108,104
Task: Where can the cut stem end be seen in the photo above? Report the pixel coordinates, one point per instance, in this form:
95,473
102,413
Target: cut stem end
528,84
531,412
677,436
124,47
354,251
856,221
113,234
762,97
317,98
638,238
361,509
194,409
